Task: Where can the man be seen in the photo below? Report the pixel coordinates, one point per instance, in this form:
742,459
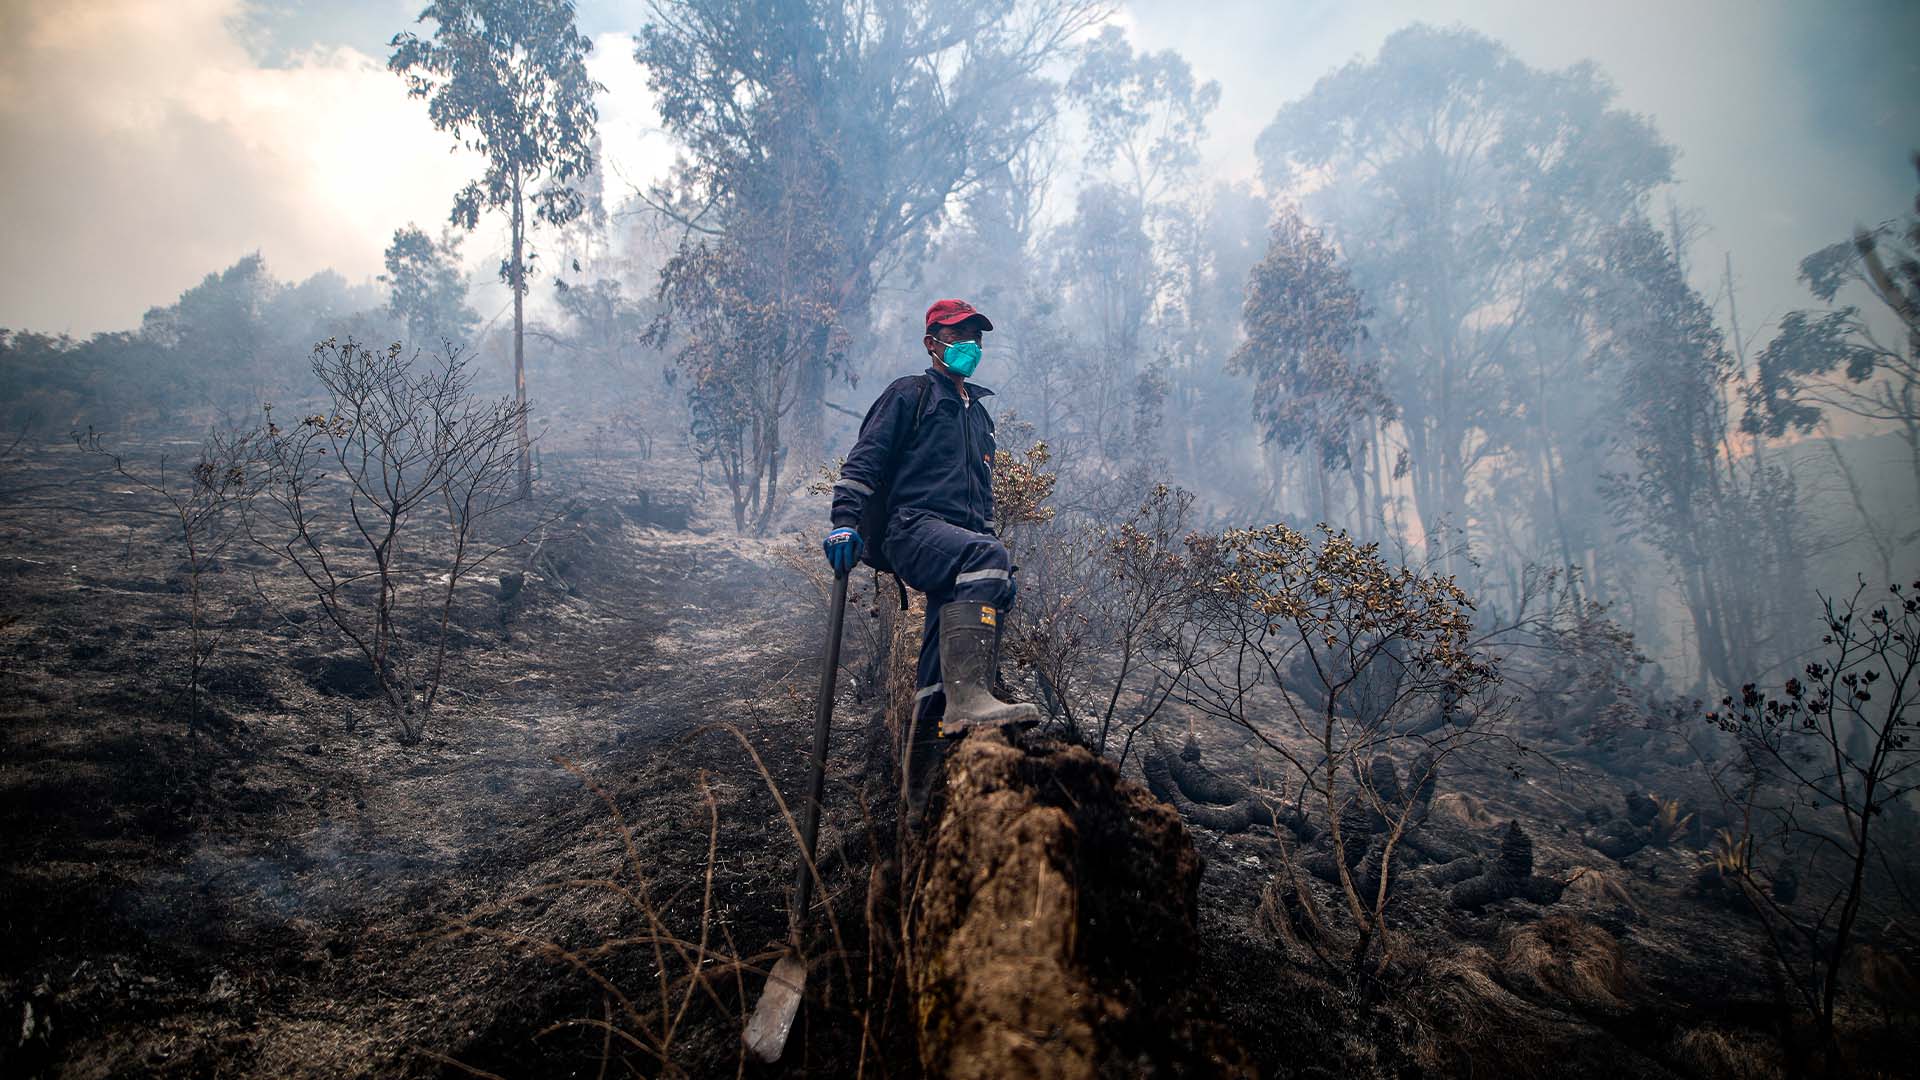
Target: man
927,446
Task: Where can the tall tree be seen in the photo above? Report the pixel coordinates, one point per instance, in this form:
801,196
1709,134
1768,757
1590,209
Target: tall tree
508,78
908,103
1833,359
751,311
1723,523
1208,246
1146,113
1314,390
1461,185
1108,261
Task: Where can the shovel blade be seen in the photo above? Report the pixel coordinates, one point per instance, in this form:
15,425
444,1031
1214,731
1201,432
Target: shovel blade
772,1020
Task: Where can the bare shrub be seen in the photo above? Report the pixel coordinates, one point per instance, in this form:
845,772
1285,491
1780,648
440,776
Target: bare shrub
1284,628
203,499
348,495
1821,780
1106,608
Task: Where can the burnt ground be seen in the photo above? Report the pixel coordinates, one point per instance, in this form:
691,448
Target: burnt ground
273,895
291,891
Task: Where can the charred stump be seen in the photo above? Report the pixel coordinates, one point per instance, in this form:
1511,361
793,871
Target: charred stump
1509,875
1054,929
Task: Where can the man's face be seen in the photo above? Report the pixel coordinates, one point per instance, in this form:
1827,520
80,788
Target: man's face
943,336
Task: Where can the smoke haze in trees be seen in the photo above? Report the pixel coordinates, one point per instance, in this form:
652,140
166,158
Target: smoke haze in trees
273,126
238,180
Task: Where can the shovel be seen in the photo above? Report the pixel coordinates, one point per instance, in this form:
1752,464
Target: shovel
772,1020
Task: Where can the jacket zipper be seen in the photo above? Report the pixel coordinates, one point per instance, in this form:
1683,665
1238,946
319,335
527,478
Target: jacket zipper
966,443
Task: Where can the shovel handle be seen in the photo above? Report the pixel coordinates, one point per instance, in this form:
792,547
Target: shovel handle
822,723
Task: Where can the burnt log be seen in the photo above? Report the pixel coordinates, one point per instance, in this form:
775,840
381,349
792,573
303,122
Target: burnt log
1055,925
1207,799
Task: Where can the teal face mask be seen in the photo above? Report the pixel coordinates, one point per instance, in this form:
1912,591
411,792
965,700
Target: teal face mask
962,357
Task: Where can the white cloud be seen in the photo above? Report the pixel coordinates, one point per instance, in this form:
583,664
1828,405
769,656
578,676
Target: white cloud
636,149
144,147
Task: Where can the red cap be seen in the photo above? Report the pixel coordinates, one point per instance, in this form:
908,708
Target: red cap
949,312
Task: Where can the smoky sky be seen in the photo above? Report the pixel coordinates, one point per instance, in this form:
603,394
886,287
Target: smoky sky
144,145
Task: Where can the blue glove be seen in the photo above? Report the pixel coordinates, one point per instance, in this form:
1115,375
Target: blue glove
843,547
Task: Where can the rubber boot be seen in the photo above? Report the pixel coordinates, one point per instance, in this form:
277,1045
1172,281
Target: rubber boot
967,630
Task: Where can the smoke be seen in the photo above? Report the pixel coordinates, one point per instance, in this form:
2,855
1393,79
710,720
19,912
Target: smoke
1794,122
148,144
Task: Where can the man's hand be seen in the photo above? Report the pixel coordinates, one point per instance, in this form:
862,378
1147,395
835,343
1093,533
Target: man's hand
843,547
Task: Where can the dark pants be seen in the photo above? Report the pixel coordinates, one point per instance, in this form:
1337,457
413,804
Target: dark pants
947,564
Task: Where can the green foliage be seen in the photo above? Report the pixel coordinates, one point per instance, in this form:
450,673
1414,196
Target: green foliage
1145,111
508,79
1659,337
232,340
217,321
1808,346
1726,524
1833,359
426,288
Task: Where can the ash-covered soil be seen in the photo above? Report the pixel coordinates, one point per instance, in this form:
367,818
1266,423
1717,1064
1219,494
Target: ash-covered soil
289,890
273,895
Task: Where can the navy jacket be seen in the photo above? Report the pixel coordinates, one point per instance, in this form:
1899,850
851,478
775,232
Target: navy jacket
946,469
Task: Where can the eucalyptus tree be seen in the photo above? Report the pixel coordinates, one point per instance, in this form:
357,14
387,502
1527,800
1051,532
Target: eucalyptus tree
1836,359
1316,387
1209,244
1146,113
751,309
904,104
1461,185
1108,258
508,79
1725,524
1145,116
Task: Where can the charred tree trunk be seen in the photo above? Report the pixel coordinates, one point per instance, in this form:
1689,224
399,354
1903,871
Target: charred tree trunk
519,275
1054,928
